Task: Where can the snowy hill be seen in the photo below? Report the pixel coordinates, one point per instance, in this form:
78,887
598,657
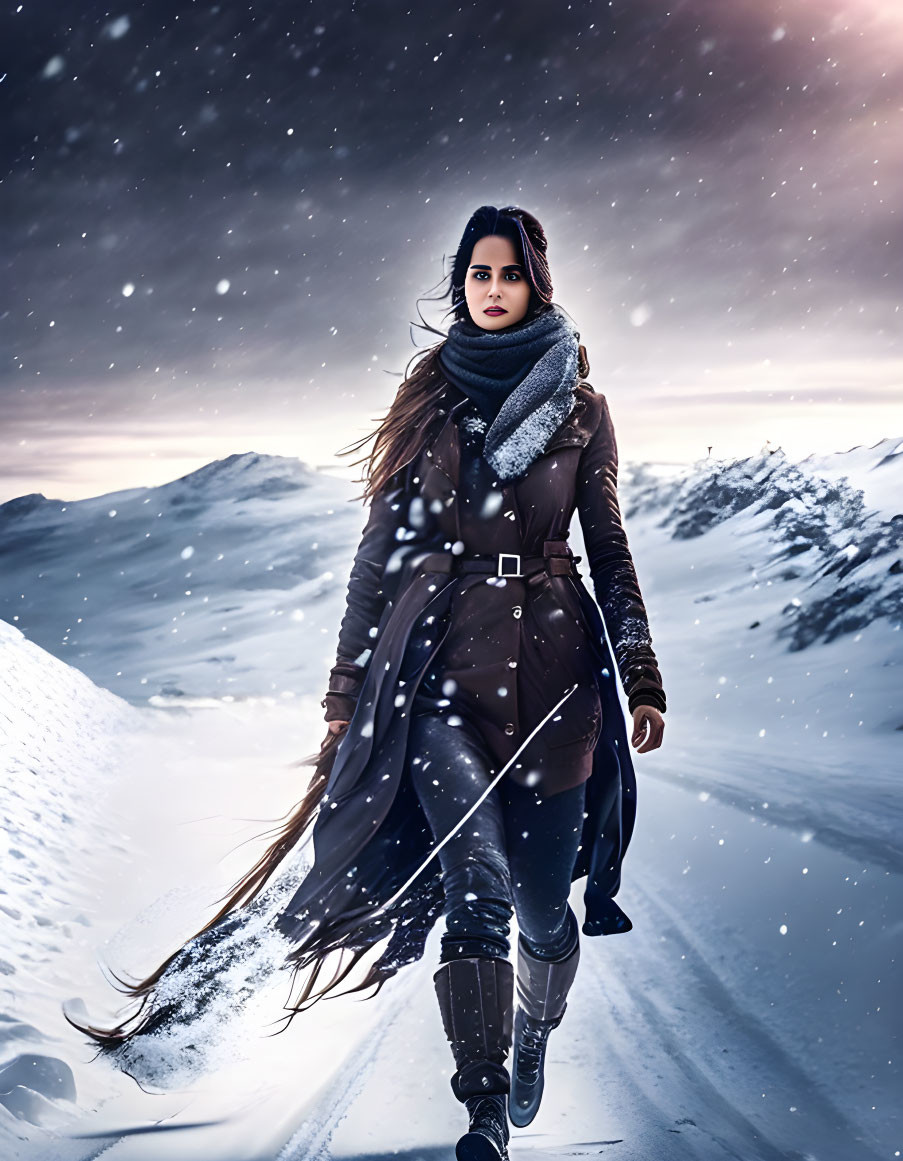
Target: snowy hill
780,645
59,747
196,588
814,525
187,589
121,829
877,471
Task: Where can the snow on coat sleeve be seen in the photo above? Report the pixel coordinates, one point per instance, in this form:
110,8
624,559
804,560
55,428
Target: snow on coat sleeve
366,598
611,568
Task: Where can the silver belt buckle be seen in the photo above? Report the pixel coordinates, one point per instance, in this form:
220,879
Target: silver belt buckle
509,556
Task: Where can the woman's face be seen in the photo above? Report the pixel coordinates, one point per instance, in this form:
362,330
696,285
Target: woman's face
496,279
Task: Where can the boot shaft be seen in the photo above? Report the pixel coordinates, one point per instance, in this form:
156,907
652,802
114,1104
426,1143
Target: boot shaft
543,984
542,990
476,1000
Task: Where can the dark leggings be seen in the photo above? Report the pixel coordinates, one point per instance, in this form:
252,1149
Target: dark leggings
516,852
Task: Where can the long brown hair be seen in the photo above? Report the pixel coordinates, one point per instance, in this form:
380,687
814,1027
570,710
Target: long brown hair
408,427
411,423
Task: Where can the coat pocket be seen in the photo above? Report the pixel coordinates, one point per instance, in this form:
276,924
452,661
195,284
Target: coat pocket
578,723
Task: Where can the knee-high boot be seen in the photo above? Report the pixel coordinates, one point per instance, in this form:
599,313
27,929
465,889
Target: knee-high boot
476,999
542,988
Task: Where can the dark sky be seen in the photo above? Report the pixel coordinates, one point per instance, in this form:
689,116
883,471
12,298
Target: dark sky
217,219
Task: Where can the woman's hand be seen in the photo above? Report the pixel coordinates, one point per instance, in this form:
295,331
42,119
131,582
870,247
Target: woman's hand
647,716
332,729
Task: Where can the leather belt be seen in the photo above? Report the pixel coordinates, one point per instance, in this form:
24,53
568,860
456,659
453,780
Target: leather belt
556,560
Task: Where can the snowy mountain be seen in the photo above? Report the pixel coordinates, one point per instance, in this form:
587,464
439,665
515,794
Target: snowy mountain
183,590
774,597
196,588
751,1010
833,525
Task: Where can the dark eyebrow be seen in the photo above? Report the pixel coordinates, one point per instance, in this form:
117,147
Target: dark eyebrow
512,266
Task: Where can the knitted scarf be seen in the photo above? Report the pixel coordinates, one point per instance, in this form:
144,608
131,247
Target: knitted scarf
522,378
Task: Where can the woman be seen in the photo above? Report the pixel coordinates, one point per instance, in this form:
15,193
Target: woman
476,762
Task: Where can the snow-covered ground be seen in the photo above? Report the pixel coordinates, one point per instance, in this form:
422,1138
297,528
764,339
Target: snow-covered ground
753,1011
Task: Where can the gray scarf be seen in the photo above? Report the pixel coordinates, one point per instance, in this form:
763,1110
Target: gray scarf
523,380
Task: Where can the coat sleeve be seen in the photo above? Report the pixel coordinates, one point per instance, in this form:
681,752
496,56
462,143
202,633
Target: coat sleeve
611,568
366,598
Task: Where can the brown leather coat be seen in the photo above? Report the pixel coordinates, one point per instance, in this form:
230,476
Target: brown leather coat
408,620
526,637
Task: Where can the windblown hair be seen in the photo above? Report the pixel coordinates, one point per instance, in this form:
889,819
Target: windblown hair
249,886
412,421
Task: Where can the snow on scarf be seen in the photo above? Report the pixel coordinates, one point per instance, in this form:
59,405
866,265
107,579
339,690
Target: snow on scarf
523,380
